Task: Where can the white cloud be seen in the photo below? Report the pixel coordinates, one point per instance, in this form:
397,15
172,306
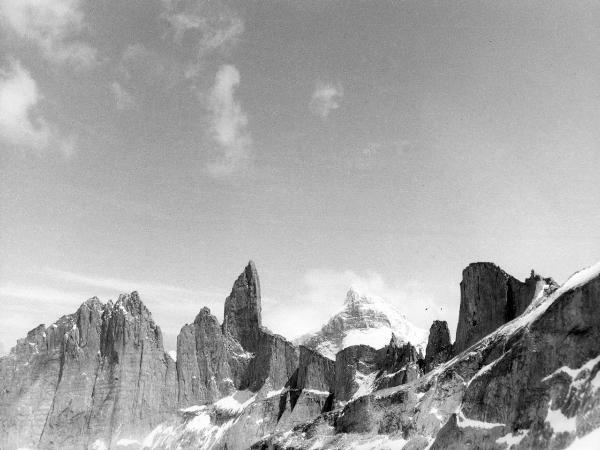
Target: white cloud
229,124
52,25
123,99
18,97
325,99
20,124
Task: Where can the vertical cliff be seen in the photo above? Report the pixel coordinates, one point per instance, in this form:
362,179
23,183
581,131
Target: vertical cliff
98,374
489,297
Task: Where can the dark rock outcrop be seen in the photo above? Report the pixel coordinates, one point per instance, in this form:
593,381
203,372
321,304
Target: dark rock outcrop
203,371
315,371
275,362
242,319
352,366
399,365
439,347
489,298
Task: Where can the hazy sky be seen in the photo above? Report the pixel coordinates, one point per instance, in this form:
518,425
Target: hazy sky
159,145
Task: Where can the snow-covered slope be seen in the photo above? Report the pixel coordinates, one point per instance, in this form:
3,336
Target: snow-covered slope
368,320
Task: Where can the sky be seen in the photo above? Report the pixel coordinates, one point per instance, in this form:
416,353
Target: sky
158,145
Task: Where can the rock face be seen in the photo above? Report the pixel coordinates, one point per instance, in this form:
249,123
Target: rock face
439,347
98,374
315,371
531,384
203,371
353,365
242,319
489,297
367,320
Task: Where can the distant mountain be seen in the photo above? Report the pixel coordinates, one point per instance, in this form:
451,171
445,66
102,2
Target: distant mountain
364,320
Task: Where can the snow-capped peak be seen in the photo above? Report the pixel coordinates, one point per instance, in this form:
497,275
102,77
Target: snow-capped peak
364,319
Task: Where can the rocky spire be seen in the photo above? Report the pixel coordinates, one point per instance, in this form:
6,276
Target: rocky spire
439,347
242,317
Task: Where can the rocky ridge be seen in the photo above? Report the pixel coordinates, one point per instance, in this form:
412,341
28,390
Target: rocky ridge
533,381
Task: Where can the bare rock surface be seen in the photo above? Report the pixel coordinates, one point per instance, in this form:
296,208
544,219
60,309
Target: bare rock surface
97,374
489,298
439,347
242,319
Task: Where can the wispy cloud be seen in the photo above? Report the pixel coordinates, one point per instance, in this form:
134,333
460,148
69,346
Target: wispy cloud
229,124
120,285
123,99
52,25
21,124
40,293
325,99
209,26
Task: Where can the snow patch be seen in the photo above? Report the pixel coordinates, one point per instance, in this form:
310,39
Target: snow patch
316,392
366,384
464,422
173,355
99,444
373,337
378,443
574,373
586,442
236,403
193,409
127,442
559,422
512,438
275,393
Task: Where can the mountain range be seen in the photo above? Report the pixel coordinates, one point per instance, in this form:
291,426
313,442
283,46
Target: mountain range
522,373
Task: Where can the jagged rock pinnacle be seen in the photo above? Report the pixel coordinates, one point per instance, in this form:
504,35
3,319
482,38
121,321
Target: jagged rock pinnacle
242,316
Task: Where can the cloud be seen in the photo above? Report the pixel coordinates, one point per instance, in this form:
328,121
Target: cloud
209,26
37,293
52,25
20,124
119,285
325,99
229,124
323,292
123,99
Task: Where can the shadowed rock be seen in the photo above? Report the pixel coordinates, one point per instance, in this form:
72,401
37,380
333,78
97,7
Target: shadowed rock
439,347
242,317
489,298
315,371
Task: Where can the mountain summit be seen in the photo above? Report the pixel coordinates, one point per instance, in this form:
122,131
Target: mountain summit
364,319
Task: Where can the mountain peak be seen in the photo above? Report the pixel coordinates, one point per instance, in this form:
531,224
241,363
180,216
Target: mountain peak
364,319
